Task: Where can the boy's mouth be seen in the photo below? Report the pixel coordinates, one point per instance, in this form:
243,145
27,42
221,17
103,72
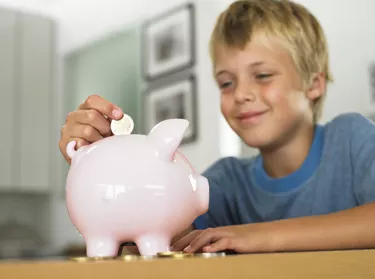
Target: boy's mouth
251,116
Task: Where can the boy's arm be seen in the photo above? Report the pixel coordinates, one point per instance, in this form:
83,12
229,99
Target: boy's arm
349,229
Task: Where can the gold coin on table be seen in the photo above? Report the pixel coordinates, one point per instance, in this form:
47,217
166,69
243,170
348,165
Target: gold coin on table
80,259
124,126
130,258
183,256
175,255
103,258
168,254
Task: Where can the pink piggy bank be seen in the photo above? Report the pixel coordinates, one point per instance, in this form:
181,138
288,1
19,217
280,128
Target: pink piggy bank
134,188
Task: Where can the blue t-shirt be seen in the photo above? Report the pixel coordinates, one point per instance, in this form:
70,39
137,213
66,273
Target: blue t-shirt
338,174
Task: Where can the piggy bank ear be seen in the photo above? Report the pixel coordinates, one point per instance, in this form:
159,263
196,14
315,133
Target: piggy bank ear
167,135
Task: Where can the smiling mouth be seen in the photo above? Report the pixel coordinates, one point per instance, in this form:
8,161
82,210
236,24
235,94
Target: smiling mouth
251,117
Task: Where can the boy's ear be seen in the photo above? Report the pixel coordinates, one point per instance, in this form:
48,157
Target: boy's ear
317,87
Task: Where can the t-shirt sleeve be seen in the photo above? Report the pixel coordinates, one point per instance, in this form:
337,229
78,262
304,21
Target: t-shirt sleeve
220,197
363,158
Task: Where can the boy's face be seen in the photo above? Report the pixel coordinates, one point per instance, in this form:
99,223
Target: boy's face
261,93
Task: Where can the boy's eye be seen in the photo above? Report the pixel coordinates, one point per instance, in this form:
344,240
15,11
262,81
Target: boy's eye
263,76
225,84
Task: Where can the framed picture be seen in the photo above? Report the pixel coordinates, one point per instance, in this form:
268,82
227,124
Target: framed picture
175,100
169,42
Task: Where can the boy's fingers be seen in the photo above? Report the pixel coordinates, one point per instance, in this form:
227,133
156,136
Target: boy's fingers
220,245
204,239
185,241
90,117
81,142
85,132
103,106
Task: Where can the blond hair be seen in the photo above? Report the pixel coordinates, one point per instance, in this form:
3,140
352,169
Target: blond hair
297,28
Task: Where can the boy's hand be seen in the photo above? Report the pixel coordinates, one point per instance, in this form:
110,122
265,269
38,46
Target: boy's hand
241,239
89,123
347,229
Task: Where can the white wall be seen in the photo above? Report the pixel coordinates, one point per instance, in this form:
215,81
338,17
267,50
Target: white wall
349,26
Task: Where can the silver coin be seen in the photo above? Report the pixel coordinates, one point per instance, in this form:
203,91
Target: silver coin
124,126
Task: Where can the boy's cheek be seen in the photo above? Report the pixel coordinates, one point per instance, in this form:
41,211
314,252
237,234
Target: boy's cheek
280,102
296,102
274,96
225,106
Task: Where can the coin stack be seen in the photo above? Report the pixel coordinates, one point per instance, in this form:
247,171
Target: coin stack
174,255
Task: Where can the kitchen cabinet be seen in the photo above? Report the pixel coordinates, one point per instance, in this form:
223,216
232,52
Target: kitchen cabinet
29,94
7,96
35,102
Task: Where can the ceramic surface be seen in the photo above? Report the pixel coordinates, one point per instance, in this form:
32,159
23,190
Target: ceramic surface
134,188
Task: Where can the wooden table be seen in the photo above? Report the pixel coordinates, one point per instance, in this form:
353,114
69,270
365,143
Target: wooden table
314,265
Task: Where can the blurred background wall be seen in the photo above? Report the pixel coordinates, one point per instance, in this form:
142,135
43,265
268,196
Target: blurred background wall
55,53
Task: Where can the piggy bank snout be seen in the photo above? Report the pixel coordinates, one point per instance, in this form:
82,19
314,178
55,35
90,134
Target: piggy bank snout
203,191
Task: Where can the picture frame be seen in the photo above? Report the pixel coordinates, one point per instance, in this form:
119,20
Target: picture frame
177,99
168,42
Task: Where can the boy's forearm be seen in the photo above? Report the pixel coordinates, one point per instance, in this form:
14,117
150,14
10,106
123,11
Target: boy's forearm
348,229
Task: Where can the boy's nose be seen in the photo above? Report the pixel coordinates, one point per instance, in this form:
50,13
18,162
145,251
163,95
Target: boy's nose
244,94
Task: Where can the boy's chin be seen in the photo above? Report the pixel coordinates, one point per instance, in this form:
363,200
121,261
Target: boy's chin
255,144
260,142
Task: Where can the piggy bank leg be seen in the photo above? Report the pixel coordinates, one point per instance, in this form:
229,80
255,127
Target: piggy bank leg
150,245
101,247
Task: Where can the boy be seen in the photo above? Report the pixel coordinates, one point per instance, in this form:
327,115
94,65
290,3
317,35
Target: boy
312,187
